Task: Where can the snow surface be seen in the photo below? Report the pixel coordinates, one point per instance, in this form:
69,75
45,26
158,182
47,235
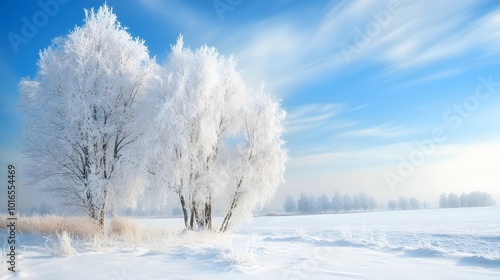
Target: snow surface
421,244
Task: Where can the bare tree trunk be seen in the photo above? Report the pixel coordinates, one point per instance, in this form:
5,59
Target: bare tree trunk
194,215
96,212
102,216
208,213
225,223
200,218
234,203
184,210
97,216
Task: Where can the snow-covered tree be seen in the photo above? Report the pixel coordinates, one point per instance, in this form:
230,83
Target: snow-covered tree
479,199
257,170
357,202
392,204
198,102
324,203
363,201
210,137
290,204
336,202
443,201
348,203
81,126
453,200
473,199
404,203
464,202
372,203
414,203
426,204
304,204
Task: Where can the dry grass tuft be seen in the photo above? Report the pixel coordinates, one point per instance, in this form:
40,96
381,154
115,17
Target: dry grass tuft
64,246
82,227
62,232
121,226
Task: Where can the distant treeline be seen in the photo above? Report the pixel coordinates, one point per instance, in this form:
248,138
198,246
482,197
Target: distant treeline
311,203
324,204
405,203
473,199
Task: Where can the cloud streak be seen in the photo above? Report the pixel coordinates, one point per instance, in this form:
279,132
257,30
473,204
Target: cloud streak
379,131
421,35
311,116
290,48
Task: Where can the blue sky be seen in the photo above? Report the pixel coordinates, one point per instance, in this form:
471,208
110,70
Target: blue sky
362,81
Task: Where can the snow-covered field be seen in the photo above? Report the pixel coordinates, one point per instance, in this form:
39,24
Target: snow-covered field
421,244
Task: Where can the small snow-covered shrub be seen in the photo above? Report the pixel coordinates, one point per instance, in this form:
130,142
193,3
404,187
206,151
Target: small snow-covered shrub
63,247
237,252
97,242
243,257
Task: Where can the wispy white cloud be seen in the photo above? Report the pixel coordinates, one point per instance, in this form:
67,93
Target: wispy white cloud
304,112
325,128
348,158
431,77
313,116
290,48
379,131
292,51
359,107
444,32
